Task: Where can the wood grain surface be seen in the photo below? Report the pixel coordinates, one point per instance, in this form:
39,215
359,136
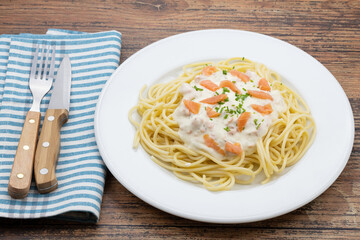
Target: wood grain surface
328,30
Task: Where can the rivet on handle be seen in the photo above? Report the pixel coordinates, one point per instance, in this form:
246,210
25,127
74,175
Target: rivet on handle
26,147
46,144
44,171
20,175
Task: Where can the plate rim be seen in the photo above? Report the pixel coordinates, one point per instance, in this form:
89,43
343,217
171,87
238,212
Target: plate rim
227,220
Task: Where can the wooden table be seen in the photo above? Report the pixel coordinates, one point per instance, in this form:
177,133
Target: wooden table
328,30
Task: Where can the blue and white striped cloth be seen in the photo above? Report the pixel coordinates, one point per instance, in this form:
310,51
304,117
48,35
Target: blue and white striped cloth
80,170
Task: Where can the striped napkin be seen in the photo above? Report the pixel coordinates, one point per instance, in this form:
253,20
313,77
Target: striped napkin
80,170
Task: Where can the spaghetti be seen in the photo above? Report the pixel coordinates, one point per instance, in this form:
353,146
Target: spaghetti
283,142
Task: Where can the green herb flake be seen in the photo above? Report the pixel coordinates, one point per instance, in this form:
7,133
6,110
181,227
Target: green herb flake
216,93
233,67
243,58
227,129
224,72
244,96
251,80
226,116
211,119
198,89
257,124
225,90
244,89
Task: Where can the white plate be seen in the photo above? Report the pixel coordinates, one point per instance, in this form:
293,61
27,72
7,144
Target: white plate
306,180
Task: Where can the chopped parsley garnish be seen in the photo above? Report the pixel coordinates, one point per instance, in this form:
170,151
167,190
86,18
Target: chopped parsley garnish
257,124
233,81
225,90
251,80
240,109
244,96
211,119
216,93
226,116
231,111
244,89
198,89
243,58
224,72
233,67
227,129
223,102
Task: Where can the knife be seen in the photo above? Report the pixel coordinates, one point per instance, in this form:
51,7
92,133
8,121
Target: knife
56,115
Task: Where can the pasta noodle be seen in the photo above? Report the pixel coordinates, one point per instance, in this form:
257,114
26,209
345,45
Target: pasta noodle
286,141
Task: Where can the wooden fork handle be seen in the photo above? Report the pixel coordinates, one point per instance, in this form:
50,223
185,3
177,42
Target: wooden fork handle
21,173
48,149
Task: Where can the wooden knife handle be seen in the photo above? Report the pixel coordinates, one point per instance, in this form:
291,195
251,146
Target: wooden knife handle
21,173
48,148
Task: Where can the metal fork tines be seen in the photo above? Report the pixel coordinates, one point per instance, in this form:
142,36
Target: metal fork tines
41,78
41,83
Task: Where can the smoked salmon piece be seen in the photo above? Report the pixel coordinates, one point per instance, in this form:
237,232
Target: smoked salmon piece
259,94
209,85
242,120
264,110
231,85
212,144
240,75
211,113
208,70
193,107
215,99
264,85
233,148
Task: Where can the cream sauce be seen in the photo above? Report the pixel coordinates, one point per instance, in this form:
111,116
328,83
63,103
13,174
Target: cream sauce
224,127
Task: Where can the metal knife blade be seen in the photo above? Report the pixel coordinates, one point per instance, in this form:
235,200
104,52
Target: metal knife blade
60,97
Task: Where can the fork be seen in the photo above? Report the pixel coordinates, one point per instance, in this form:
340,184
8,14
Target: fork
40,82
